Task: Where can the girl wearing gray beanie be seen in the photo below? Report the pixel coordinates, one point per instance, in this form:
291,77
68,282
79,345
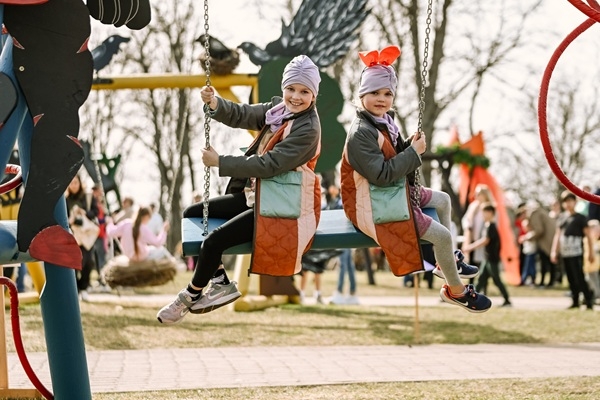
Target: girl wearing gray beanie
377,173
280,222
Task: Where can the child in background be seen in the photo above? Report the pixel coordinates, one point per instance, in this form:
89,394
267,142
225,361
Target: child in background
137,240
529,251
490,241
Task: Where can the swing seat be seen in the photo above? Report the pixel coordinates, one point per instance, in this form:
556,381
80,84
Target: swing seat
335,231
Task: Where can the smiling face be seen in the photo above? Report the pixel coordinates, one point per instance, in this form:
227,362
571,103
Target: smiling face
297,97
378,102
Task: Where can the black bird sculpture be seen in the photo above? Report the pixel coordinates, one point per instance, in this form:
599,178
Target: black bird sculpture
223,60
321,29
106,51
135,14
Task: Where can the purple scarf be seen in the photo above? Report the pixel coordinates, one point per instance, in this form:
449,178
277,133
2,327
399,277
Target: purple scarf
391,126
276,115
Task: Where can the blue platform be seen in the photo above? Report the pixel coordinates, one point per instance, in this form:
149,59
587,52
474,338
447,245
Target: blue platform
9,251
335,231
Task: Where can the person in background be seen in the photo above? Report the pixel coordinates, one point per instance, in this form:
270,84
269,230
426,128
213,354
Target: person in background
473,224
127,210
540,229
529,250
555,212
572,229
593,208
592,269
490,242
100,247
137,240
520,216
312,263
79,205
583,206
156,221
346,263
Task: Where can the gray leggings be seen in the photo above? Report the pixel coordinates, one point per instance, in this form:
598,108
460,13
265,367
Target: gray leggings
439,234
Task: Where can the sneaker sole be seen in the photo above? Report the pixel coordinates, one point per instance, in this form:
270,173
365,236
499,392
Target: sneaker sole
170,322
223,301
440,274
450,301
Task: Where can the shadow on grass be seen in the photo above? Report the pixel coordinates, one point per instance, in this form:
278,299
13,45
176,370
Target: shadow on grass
299,325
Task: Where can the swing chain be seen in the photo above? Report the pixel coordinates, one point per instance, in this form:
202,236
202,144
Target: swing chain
416,194
207,119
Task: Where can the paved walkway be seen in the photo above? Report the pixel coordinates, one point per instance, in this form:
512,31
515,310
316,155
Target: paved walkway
169,369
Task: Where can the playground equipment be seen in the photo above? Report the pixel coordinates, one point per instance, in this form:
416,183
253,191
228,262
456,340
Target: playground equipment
334,231
42,96
593,12
60,308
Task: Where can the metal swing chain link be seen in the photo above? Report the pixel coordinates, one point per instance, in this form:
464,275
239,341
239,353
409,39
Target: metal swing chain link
207,119
416,195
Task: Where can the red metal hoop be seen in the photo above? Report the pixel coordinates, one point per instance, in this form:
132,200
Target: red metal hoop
542,117
14,182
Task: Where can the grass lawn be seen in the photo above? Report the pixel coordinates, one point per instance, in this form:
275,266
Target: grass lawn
579,388
110,326
116,327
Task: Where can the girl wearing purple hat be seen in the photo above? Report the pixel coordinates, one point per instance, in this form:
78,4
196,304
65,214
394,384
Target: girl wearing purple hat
375,160
280,224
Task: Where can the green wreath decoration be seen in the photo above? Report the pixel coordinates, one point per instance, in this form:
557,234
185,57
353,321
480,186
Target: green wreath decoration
462,156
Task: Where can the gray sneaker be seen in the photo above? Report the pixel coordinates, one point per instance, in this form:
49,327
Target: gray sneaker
214,296
174,312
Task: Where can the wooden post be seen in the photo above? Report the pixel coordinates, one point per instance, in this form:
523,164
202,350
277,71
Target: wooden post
255,302
417,327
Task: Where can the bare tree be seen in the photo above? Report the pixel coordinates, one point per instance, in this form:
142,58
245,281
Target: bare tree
573,112
163,122
469,44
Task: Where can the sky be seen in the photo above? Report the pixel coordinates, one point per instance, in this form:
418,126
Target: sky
234,21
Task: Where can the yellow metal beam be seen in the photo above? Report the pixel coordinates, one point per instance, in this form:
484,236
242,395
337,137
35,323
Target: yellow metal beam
155,81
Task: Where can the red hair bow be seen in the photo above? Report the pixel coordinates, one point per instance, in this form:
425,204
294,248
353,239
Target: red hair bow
386,56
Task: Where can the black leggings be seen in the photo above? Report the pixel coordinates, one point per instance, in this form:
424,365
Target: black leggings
237,230
547,266
87,266
576,278
491,269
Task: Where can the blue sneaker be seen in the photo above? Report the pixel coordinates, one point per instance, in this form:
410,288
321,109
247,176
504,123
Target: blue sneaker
470,301
465,271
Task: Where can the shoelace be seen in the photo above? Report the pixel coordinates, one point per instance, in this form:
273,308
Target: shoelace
459,256
178,303
471,291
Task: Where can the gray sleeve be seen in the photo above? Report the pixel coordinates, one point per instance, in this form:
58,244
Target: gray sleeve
244,116
367,159
296,149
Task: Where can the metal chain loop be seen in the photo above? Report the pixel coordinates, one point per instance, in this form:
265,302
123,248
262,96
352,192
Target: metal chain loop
416,194
207,119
